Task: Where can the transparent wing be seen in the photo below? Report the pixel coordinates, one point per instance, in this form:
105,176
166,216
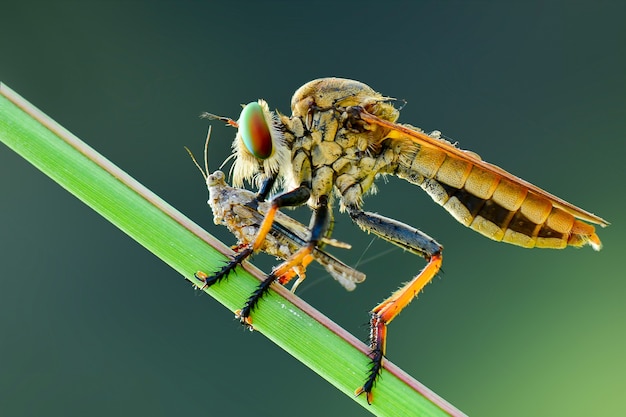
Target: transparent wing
399,131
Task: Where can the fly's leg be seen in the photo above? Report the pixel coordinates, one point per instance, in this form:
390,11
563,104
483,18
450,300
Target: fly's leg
296,197
225,270
265,188
412,240
284,272
301,258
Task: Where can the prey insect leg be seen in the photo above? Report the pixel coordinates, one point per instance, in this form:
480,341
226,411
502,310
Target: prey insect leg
412,240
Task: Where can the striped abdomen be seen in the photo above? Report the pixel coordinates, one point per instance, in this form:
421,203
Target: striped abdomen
494,205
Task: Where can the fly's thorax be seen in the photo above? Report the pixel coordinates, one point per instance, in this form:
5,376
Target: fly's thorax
337,153
337,93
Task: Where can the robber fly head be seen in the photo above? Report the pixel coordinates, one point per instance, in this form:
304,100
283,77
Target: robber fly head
259,148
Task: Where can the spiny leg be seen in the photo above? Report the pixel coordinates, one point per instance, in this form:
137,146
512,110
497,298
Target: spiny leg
301,259
225,270
296,197
412,240
384,313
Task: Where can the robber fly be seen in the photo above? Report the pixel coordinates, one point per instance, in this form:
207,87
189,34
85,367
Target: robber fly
242,213
340,137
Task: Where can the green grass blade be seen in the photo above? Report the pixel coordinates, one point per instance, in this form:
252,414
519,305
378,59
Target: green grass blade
285,319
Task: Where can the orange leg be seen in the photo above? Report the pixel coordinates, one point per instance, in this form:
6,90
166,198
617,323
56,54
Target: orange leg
412,240
265,227
297,265
293,198
385,312
301,259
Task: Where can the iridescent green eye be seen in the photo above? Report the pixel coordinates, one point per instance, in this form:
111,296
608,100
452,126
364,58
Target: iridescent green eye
255,131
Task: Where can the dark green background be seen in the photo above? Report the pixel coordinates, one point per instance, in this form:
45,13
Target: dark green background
93,324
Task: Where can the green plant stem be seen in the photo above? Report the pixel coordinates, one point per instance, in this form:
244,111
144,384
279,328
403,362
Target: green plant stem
288,321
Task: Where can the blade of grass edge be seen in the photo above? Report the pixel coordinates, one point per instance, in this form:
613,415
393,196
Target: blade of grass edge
285,319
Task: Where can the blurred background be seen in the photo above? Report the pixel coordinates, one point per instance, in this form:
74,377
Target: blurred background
93,324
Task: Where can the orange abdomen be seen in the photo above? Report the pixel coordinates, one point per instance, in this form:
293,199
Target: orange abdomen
493,205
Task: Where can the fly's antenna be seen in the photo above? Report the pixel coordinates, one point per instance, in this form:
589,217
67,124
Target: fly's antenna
227,120
205,171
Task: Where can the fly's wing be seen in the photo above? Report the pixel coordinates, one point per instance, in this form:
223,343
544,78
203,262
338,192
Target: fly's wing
487,198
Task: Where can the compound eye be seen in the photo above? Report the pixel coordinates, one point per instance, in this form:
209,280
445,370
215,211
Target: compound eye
255,131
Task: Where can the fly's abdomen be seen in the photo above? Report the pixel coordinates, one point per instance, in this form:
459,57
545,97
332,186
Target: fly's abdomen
493,205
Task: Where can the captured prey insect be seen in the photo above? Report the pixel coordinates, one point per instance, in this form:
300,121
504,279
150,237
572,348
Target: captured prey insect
242,213
340,137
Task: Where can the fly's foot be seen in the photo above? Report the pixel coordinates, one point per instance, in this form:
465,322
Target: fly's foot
246,321
210,280
204,277
376,367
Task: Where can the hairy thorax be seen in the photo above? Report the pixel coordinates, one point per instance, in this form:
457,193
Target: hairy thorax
332,150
